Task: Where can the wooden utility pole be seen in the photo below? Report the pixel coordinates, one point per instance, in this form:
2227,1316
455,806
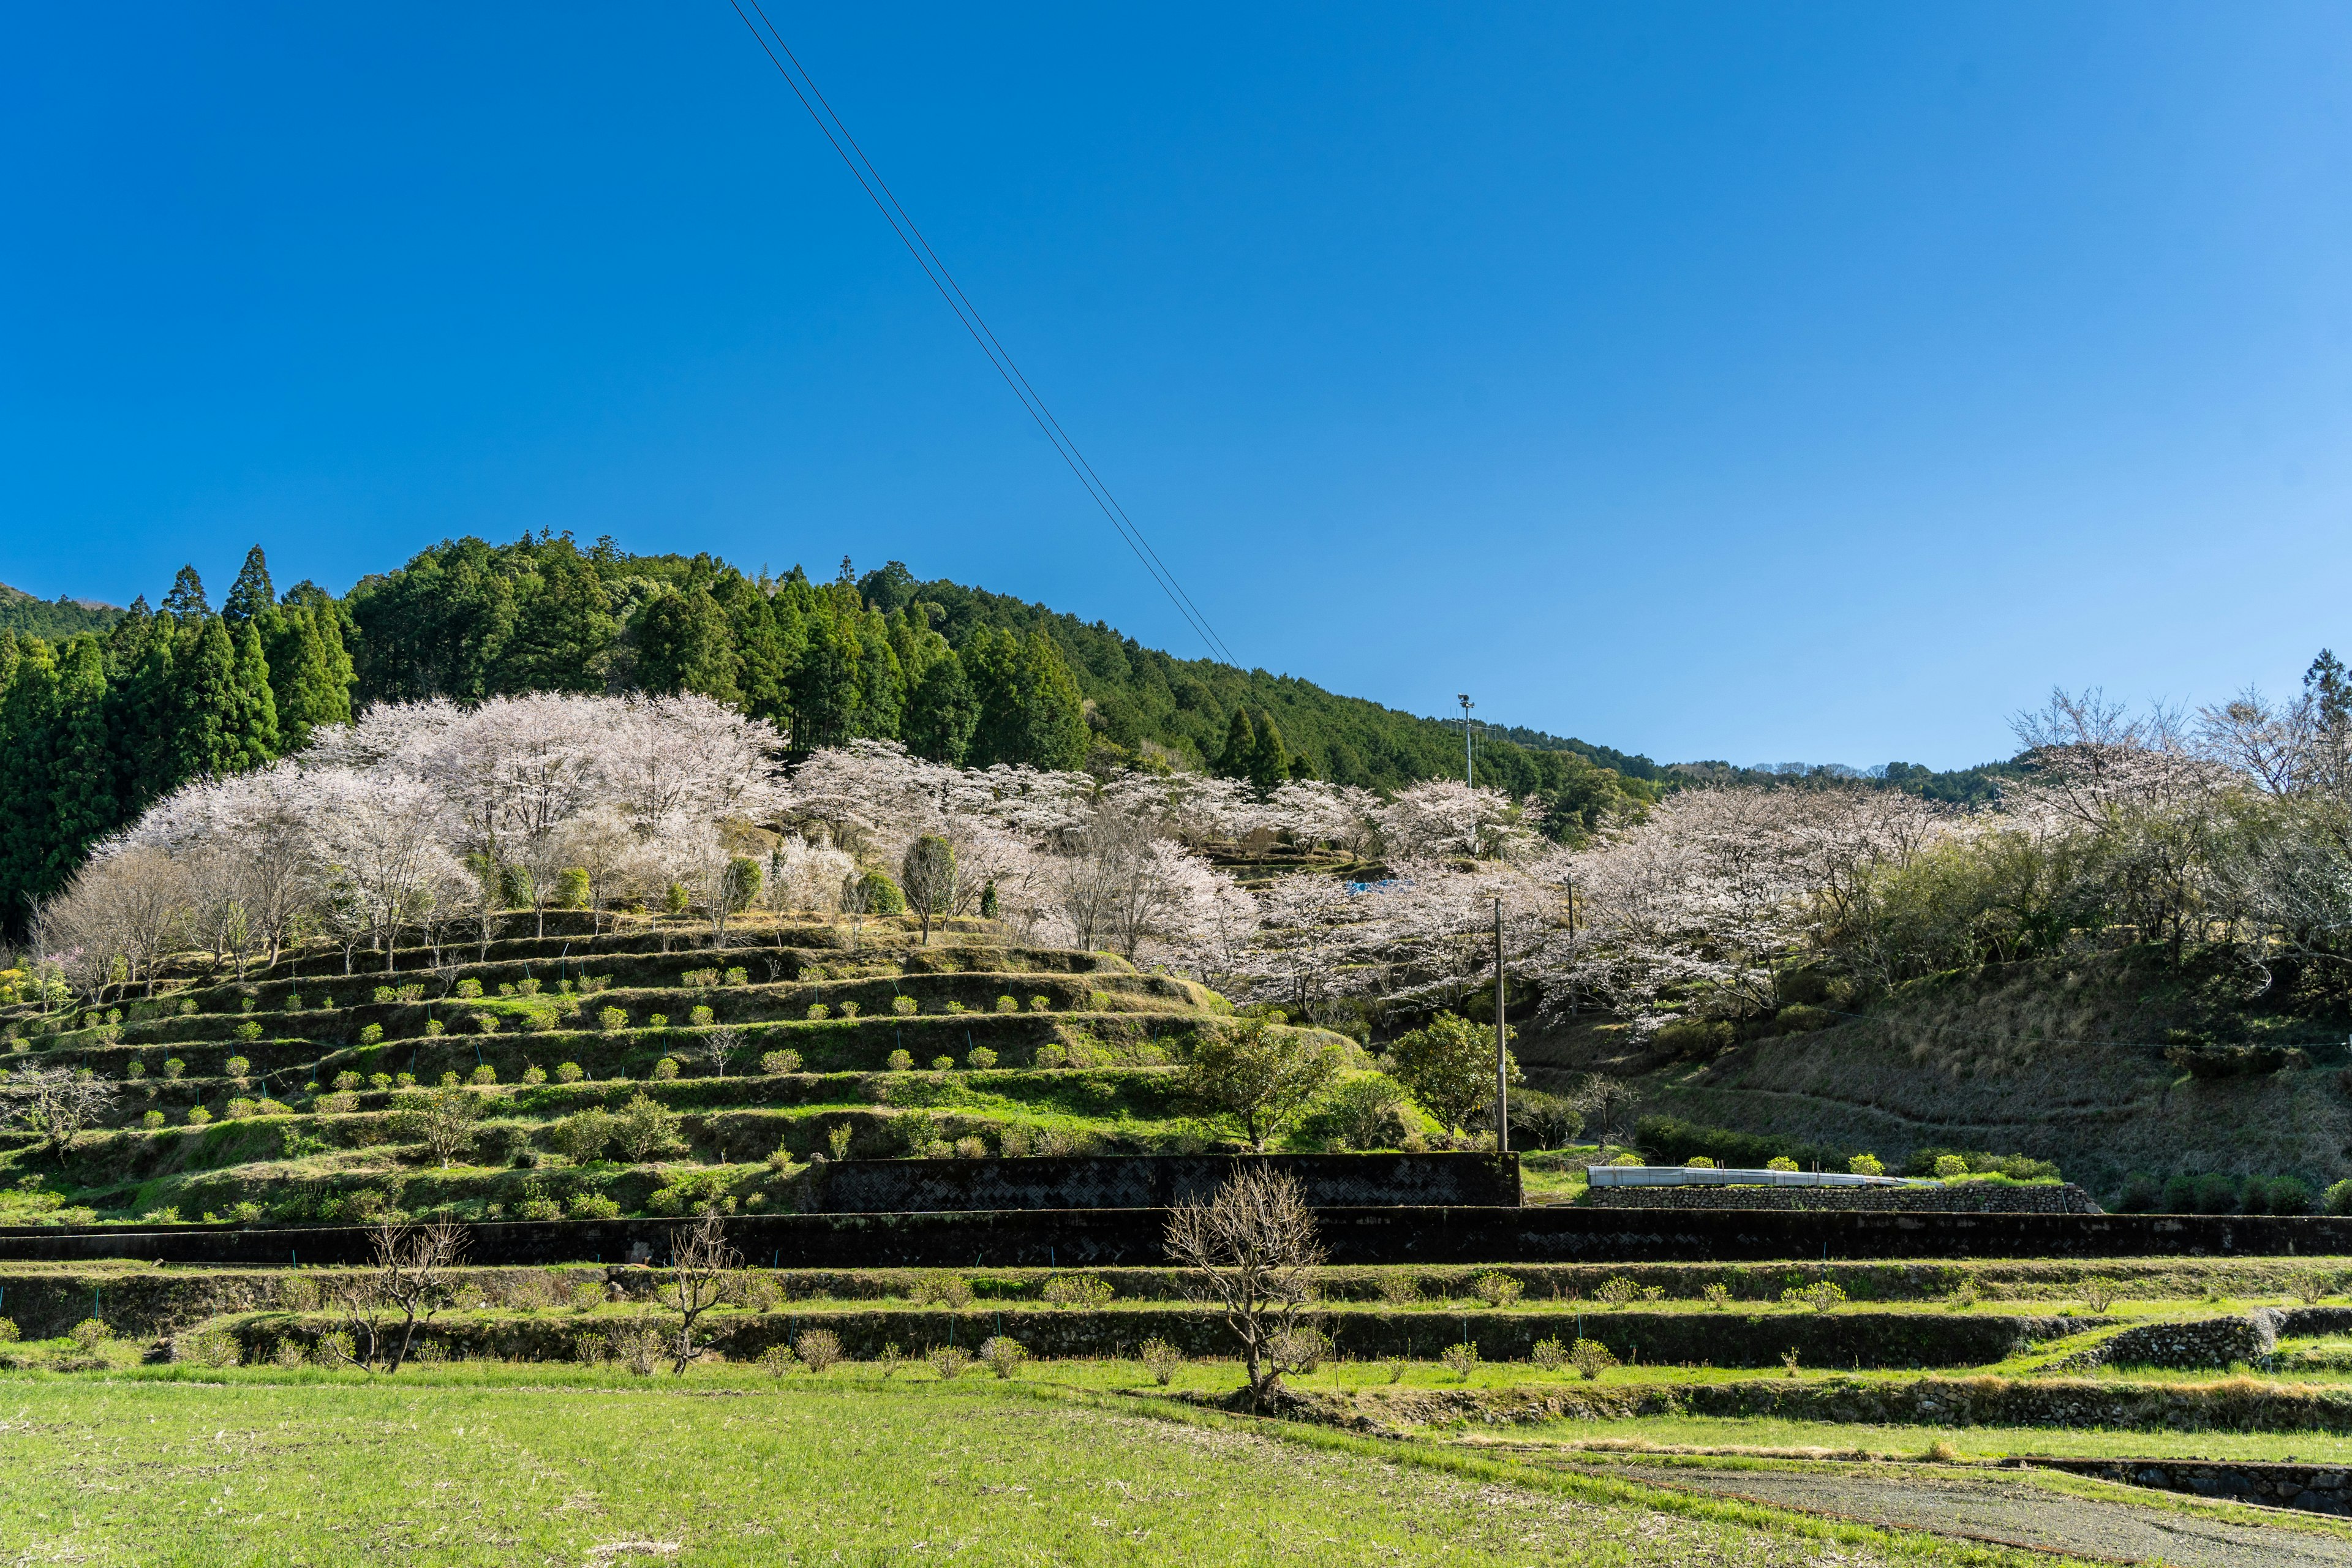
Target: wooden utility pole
1502,1061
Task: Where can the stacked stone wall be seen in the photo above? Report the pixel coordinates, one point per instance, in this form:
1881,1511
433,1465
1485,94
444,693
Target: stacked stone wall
1970,1197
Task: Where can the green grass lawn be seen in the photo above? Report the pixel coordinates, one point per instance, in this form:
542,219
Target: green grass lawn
498,1465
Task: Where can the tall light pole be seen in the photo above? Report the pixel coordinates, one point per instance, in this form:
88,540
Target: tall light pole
1469,772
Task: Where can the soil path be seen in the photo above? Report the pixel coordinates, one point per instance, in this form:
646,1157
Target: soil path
2016,1512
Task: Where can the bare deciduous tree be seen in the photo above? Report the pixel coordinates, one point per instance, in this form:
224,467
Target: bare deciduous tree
1607,1106
412,1277
703,1269
1252,1253
927,874
717,1045
54,1102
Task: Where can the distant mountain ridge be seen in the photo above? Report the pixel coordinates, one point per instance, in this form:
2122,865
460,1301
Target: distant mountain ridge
61,618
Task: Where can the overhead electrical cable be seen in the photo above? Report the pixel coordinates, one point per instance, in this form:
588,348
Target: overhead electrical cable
861,168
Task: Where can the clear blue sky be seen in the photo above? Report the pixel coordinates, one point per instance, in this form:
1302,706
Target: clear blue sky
1760,381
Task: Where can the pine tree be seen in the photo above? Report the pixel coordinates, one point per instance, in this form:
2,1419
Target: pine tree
251,727
770,640
1241,746
126,644
223,719
143,712
186,600
881,684
684,644
824,686
251,595
941,713
81,773
303,681
563,628
1269,760
27,718
1029,707
1057,719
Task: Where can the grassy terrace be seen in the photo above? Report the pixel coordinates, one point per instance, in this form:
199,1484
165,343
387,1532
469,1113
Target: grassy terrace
298,1094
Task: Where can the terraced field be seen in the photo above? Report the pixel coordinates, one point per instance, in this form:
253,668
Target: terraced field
580,1074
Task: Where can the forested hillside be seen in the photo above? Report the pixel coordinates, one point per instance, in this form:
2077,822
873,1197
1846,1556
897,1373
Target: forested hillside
100,719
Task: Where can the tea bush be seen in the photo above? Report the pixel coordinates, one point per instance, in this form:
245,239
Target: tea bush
777,1062
1160,1359
1003,1355
1591,1358
1821,1297
981,1058
1078,1290
947,1361
943,1290
1461,1360
1496,1289
819,1348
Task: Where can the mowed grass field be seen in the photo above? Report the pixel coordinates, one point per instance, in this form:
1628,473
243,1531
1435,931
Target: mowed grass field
540,1467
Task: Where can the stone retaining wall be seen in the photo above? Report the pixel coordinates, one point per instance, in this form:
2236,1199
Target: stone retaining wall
1972,1197
1156,1182
1098,1238
1858,1340
2202,1342
2315,1489
2237,1405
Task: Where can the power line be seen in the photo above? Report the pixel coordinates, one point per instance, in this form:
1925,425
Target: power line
861,168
